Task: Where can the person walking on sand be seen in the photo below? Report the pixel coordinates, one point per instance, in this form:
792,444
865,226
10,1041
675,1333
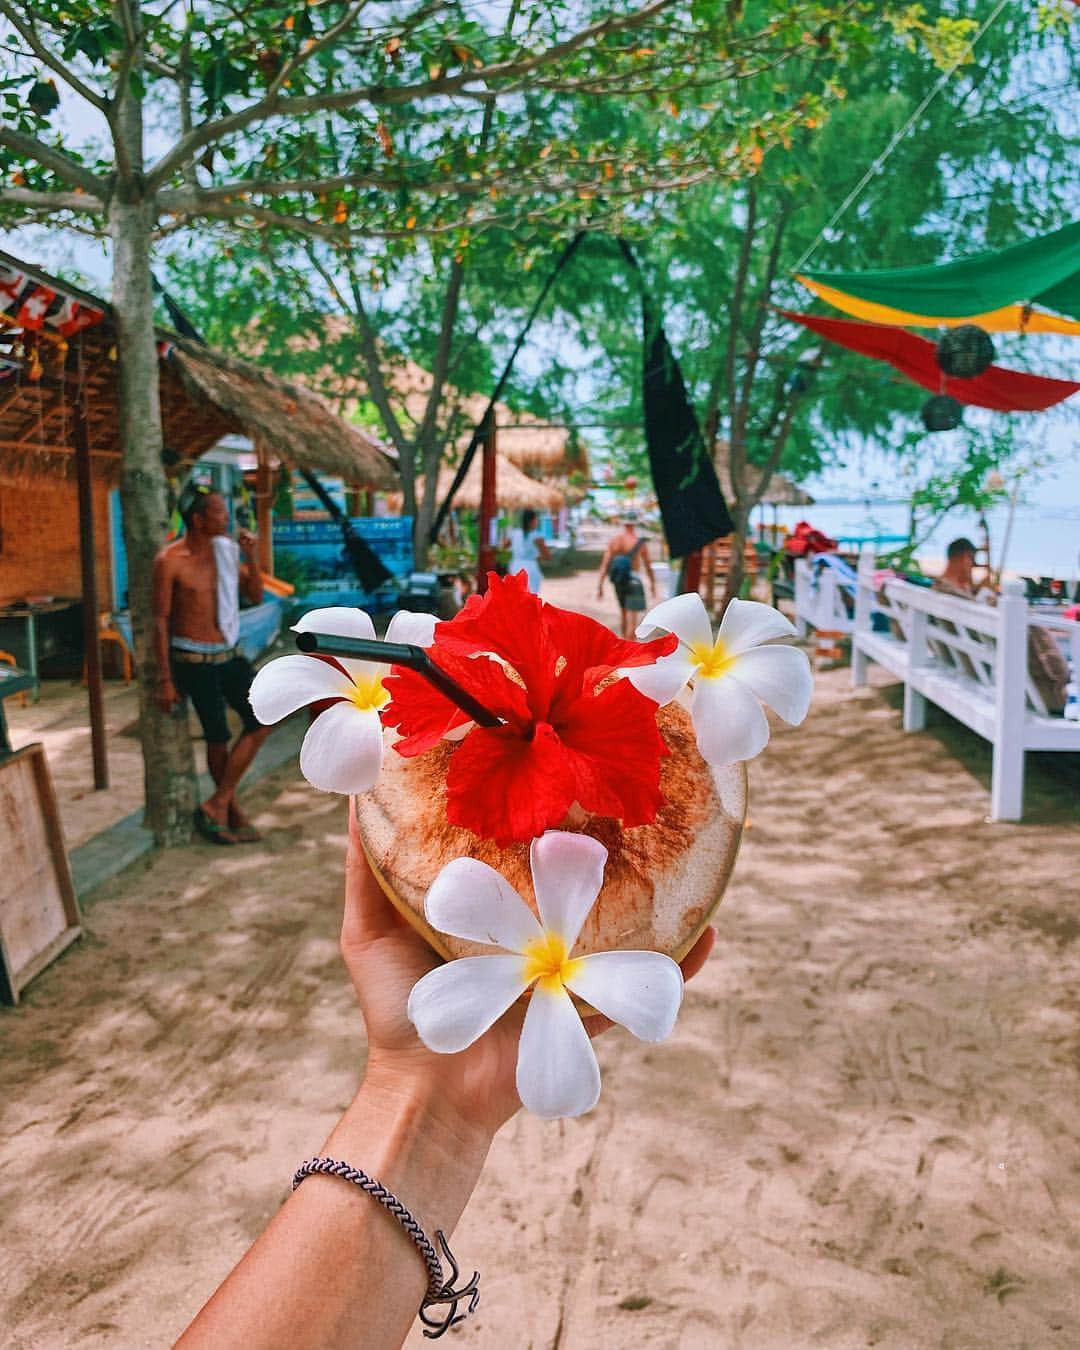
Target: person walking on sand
627,553
198,580
528,549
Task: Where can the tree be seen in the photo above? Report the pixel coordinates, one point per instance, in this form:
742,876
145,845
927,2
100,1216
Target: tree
986,161
338,122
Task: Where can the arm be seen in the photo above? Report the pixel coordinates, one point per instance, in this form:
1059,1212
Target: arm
165,694
333,1269
647,565
543,552
604,565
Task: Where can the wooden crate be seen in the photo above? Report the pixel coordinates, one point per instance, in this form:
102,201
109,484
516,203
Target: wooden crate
39,915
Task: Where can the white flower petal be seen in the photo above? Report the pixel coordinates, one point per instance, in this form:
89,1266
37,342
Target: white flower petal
557,1072
364,672
747,624
455,1004
292,682
469,899
683,615
780,677
343,749
418,629
567,873
728,721
665,679
642,991
336,621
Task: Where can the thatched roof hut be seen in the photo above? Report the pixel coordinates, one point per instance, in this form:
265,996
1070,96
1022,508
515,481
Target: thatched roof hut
780,492
205,395
514,490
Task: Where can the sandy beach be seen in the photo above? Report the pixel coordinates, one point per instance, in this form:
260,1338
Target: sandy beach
864,1131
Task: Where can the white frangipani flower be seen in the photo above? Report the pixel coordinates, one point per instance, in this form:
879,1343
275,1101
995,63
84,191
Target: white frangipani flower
343,748
730,673
453,1005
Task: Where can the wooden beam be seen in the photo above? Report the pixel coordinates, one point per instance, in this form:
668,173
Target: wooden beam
264,509
88,554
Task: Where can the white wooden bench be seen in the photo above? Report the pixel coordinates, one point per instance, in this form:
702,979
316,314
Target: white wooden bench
971,659
824,596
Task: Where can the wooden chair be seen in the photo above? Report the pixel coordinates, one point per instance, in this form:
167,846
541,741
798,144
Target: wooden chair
107,633
10,660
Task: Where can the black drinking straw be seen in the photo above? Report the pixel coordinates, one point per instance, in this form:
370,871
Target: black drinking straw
399,654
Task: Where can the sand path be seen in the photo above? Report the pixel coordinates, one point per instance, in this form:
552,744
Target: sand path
865,1131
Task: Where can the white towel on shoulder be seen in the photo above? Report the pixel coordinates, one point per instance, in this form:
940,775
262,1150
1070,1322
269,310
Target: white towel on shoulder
227,561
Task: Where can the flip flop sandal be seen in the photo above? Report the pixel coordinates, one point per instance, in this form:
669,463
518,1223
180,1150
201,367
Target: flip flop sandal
211,830
245,834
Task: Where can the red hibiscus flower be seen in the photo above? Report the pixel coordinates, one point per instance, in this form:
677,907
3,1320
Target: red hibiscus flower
566,736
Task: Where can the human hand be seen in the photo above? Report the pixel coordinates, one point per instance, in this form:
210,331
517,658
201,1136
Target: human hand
166,696
246,543
385,957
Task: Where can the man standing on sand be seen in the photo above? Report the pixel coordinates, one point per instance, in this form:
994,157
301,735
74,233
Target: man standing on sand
626,553
198,580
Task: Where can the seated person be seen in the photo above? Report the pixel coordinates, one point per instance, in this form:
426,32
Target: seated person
1047,668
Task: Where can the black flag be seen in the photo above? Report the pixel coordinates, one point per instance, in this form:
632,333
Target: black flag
691,504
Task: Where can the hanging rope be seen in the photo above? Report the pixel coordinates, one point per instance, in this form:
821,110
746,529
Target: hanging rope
879,163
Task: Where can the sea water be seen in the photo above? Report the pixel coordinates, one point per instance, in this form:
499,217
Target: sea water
1044,540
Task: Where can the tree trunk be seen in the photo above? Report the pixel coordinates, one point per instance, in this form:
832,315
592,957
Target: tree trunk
168,761
740,518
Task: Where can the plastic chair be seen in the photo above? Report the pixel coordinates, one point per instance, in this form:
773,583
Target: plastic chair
107,633
7,656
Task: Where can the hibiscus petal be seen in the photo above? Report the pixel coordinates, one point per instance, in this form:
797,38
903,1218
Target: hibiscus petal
683,615
747,624
642,991
591,652
453,1005
728,721
506,621
557,1072
505,787
613,748
336,621
666,679
418,629
567,873
423,716
292,682
780,677
343,749
469,899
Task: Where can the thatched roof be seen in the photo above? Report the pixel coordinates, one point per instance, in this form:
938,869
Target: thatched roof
780,492
514,490
205,395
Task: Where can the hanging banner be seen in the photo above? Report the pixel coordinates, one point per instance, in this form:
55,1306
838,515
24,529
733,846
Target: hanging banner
995,290
997,388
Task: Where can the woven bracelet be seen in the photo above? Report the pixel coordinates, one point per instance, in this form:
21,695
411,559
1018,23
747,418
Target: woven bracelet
440,1289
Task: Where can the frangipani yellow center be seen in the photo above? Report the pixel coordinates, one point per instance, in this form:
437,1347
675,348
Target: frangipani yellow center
712,662
368,695
547,961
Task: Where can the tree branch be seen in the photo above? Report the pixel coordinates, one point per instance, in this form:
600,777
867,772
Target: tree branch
51,201
736,452
26,30
54,160
378,95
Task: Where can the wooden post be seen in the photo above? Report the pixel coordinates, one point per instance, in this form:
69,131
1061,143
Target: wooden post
1010,672
864,605
88,554
918,654
803,596
264,509
486,550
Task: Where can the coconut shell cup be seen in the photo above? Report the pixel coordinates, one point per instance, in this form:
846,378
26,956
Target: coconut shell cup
662,883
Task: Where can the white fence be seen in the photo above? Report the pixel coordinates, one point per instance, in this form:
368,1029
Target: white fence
970,659
824,595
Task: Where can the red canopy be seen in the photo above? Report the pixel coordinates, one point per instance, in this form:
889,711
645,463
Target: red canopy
997,388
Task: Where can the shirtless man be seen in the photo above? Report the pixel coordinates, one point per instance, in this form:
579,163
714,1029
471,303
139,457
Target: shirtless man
627,552
195,632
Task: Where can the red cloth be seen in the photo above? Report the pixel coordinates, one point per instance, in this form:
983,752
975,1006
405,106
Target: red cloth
997,388
805,540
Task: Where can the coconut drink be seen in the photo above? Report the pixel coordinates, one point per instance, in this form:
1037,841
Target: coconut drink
555,810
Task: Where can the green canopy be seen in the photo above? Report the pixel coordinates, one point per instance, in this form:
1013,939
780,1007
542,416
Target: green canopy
1044,272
